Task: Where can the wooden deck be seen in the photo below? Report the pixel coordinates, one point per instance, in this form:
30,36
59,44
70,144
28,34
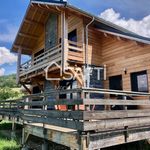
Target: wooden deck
82,119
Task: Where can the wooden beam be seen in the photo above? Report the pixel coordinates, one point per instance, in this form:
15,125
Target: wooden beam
64,35
22,47
28,90
116,124
18,65
54,113
116,102
77,77
46,8
59,135
114,114
101,140
33,22
105,35
116,92
52,103
56,122
28,36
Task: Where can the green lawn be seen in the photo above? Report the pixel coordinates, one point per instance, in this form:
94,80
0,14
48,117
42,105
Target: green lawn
5,142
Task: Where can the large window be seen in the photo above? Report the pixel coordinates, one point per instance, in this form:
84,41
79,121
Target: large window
139,81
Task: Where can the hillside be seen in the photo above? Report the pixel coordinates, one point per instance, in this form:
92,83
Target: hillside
8,88
8,81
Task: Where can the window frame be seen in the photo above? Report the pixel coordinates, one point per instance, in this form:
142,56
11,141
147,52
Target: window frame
135,83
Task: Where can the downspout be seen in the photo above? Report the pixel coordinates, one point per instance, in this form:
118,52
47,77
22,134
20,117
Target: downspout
86,50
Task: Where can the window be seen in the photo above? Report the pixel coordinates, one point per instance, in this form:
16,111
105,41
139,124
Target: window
72,36
139,81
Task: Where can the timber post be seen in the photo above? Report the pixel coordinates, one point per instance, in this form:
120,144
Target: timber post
64,34
45,145
23,141
18,64
13,132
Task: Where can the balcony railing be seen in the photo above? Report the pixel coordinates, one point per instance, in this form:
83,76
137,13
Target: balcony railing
42,60
75,55
75,52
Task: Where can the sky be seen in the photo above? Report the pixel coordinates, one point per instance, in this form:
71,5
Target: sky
131,14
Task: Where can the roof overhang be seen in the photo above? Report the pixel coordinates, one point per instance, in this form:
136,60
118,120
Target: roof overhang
33,25
37,13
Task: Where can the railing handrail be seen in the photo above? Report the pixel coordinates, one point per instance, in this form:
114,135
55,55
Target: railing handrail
41,54
79,44
47,51
25,63
90,90
116,92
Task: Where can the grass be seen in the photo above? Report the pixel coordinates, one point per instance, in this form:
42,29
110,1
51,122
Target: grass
5,142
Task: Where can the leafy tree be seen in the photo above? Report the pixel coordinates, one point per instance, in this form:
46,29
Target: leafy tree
8,81
8,93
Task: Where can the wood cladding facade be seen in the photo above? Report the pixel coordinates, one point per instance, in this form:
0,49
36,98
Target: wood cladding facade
118,55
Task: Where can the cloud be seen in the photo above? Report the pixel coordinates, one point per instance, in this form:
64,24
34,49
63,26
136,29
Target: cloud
6,57
2,71
7,31
141,27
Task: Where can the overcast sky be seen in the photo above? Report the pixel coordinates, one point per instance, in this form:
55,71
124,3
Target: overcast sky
131,14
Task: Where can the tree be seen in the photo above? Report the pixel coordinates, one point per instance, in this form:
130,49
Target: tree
7,93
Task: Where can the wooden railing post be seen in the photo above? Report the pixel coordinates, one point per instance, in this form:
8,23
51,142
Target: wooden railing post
125,98
64,35
26,100
87,96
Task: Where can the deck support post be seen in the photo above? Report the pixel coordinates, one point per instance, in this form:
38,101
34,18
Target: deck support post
45,145
64,34
13,132
18,64
24,139
83,144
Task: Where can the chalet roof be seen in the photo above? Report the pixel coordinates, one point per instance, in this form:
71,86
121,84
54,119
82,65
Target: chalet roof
28,24
104,25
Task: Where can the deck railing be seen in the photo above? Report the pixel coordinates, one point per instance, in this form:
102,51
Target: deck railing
42,60
80,111
75,54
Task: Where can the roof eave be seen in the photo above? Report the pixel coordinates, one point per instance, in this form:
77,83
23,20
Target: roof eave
111,25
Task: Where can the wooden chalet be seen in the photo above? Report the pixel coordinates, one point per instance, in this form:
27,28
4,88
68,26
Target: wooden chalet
90,113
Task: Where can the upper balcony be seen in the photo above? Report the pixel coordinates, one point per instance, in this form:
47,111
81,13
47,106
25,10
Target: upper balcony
55,54
48,35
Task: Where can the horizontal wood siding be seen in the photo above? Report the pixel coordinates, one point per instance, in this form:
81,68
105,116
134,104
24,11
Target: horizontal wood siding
75,22
120,54
94,50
